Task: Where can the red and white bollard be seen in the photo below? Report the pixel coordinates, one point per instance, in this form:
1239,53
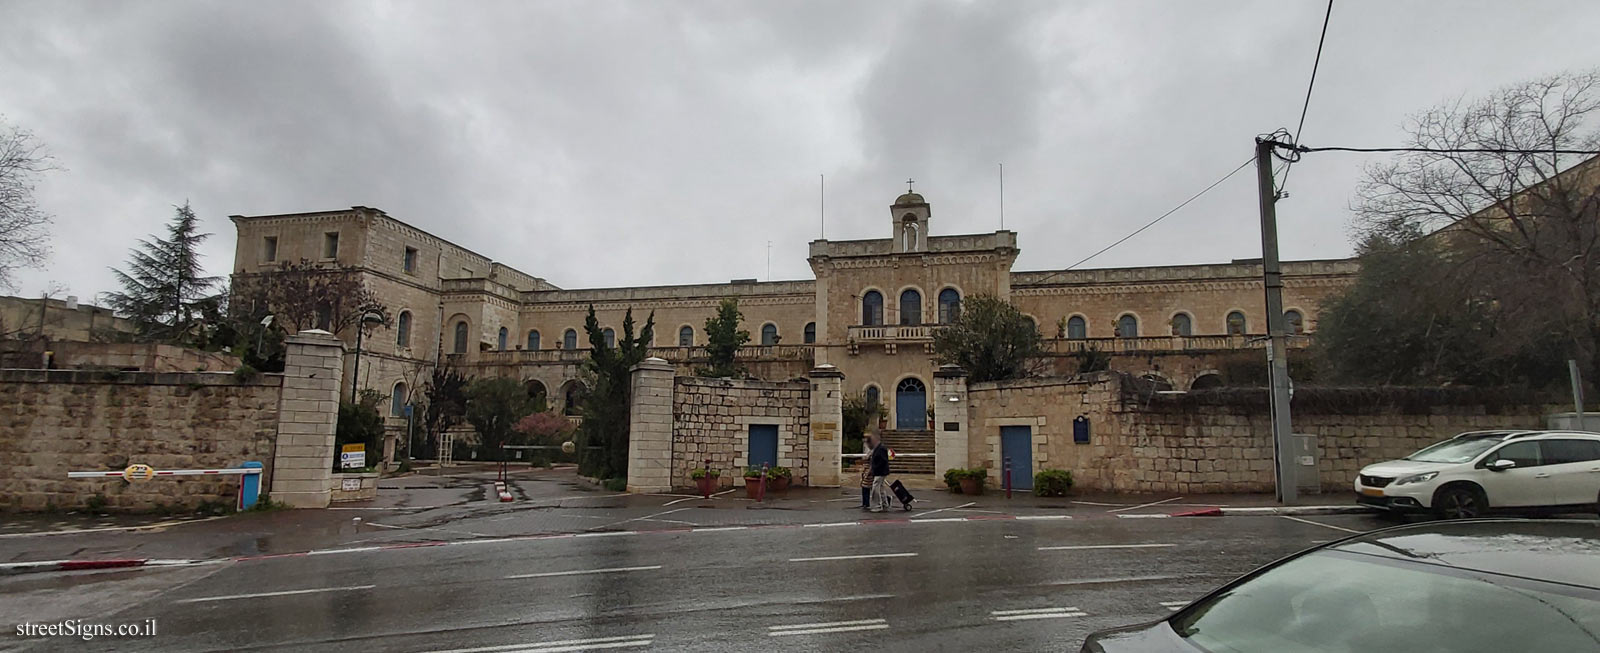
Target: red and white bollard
1008,477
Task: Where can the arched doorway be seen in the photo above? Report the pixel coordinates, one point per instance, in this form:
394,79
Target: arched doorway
911,405
538,393
572,398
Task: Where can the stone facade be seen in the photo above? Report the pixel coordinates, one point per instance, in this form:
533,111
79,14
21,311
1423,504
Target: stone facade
711,419
123,356
303,460
445,289
67,319
1142,441
61,421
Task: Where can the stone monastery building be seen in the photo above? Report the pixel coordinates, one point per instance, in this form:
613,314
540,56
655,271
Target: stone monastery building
869,311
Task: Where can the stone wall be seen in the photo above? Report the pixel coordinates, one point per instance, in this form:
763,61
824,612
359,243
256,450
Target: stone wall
125,356
1218,441
712,417
60,421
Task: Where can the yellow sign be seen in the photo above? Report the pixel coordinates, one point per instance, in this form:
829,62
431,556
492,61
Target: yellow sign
822,430
352,448
353,456
138,473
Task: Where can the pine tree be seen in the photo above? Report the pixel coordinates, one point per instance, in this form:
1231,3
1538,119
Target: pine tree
164,290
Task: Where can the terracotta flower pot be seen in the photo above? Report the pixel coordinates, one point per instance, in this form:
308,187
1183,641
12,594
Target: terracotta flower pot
971,486
752,488
706,485
778,483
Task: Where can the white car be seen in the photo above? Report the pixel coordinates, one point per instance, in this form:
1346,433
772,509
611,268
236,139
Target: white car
1471,473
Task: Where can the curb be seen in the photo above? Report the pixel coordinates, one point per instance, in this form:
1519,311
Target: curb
1277,510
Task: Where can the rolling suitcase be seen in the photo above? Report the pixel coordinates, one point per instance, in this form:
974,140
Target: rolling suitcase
901,493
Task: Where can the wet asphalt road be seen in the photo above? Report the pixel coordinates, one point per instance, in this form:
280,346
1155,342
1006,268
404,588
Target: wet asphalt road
958,585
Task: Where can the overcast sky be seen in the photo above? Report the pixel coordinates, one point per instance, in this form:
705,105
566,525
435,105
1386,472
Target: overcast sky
636,143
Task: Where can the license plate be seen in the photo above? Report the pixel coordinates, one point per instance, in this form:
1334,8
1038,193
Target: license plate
1372,491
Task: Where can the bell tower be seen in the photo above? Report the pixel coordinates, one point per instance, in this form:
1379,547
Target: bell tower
909,221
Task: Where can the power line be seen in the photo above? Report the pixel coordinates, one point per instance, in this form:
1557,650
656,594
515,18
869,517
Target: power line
1305,107
1435,150
1152,223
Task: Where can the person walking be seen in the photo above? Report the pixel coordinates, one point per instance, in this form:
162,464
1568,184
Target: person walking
878,464
866,475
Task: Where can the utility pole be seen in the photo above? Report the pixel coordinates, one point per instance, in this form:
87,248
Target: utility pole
1277,346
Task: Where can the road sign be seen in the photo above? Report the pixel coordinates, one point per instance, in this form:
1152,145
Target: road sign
353,456
138,472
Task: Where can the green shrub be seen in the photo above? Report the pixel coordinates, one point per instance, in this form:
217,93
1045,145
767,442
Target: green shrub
1052,483
979,474
779,472
245,373
619,484
95,503
752,472
700,473
952,478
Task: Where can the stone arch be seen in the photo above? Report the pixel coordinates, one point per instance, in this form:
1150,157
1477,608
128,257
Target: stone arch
1294,321
460,333
572,393
533,340
912,297
1182,323
1127,325
686,335
1236,322
569,339
402,331
871,307
1206,380
769,334
1077,326
910,403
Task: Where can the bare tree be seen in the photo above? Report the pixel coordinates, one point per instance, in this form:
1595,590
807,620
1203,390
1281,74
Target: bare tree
1519,220
23,227
304,295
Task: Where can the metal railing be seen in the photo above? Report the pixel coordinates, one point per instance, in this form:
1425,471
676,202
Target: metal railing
892,332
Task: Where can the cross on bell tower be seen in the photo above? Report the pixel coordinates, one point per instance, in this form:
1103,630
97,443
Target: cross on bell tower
909,219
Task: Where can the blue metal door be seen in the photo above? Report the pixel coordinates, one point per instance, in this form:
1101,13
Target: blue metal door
1016,444
911,406
763,445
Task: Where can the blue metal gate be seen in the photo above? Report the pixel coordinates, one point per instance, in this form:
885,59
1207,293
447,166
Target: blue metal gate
910,405
1016,443
763,445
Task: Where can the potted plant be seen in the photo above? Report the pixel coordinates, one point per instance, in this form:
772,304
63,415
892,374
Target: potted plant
930,418
705,480
972,480
778,478
952,479
752,483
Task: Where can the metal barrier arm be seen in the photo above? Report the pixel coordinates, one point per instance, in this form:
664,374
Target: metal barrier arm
172,472
898,455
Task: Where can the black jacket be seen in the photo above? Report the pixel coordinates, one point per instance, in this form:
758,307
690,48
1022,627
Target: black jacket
880,460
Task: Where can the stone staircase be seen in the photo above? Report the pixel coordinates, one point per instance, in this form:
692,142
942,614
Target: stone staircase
904,442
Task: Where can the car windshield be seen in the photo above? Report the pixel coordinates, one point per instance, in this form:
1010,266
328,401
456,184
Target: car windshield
1456,450
1341,601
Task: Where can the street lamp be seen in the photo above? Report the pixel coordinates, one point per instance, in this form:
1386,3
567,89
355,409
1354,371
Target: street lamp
361,327
266,323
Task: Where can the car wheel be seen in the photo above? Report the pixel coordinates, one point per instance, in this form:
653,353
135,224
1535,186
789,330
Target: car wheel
1459,502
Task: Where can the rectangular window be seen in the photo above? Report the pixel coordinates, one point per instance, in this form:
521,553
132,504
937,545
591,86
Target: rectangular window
269,249
330,245
411,260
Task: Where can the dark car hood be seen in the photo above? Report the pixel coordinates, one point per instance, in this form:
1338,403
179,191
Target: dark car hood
1154,636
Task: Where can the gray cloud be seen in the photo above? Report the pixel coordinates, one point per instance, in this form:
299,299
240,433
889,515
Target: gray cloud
615,143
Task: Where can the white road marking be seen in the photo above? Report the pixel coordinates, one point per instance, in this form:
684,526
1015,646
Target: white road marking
579,572
718,494
1103,581
832,524
606,533
862,597
664,512
1042,517
937,521
1035,613
827,627
1317,523
679,501
859,557
1080,547
930,512
358,549
1145,505
231,597
718,529
1159,516
563,645
1097,503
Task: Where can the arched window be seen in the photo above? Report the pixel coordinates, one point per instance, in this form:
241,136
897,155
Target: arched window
1077,327
402,330
686,336
1181,325
572,398
461,338
1032,326
536,390
611,337
500,341
1128,326
872,308
533,340
569,339
873,398
1236,324
769,334
397,400
910,307
1206,381
811,332
949,306
1293,322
